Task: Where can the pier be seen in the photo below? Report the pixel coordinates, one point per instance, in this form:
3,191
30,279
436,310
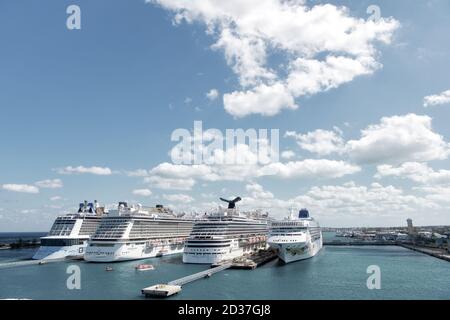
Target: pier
359,243
24,263
434,252
173,287
251,261
200,275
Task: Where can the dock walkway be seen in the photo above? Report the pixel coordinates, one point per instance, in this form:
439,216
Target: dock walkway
196,276
24,263
174,287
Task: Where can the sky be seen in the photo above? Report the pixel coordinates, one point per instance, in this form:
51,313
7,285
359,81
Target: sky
358,90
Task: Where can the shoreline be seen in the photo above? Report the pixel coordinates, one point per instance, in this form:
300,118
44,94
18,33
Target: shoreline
433,252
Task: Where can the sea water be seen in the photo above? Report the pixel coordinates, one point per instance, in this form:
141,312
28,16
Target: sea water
337,272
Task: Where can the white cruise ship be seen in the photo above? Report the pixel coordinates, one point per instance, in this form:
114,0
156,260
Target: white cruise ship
70,233
136,232
226,234
295,238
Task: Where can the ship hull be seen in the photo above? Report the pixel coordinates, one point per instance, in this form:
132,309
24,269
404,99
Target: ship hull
297,251
211,258
59,252
129,251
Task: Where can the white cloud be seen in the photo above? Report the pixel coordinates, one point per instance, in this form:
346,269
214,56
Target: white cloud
102,171
288,154
352,199
142,192
212,94
399,139
320,141
137,173
323,47
22,188
55,198
437,194
50,184
267,100
184,198
182,171
257,191
348,202
434,100
170,183
309,168
415,171
28,211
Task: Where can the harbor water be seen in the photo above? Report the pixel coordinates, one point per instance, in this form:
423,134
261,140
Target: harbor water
337,272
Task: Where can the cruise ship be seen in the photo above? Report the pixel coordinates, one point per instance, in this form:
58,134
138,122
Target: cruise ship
296,237
69,235
226,234
133,232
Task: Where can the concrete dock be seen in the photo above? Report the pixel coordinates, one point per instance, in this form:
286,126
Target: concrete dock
173,287
161,290
359,243
24,263
251,261
434,252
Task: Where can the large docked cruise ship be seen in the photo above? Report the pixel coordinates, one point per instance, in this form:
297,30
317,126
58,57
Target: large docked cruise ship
70,233
226,234
296,237
136,232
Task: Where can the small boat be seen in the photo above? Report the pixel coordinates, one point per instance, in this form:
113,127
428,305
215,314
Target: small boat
42,262
144,267
109,269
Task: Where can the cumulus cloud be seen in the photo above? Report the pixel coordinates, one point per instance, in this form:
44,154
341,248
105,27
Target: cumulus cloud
353,199
348,201
323,47
257,191
168,183
438,99
22,188
101,171
288,154
399,139
142,192
50,184
415,171
183,198
267,100
321,142
137,173
309,168
437,194
212,94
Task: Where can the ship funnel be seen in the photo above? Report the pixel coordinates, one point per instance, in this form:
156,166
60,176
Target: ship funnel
232,203
303,213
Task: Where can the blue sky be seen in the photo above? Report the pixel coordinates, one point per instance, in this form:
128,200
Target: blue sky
110,95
